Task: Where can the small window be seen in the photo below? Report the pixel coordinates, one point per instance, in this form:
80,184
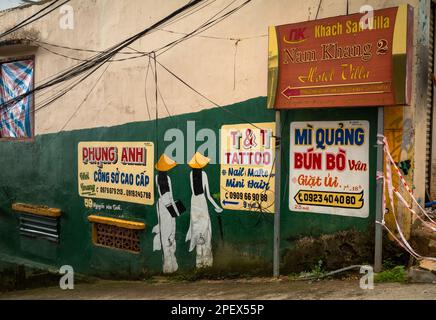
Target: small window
16,117
116,233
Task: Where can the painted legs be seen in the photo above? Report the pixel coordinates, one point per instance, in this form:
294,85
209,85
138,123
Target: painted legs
204,251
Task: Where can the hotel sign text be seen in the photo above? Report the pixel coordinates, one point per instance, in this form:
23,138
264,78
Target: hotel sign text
338,62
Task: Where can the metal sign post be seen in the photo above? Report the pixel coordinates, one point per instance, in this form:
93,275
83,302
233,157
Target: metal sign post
276,261
379,197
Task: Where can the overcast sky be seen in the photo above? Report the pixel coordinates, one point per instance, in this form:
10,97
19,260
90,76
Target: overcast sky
5,4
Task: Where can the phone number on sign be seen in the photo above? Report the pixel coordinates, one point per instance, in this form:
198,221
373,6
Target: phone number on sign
262,197
338,199
127,192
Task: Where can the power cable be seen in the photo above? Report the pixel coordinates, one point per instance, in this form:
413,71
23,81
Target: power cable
194,32
205,26
32,18
164,103
234,64
209,24
99,58
202,95
216,37
17,26
189,12
179,40
146,53
319,7
185,14
72,48
142,54
145,88
86,98
222,108
138,55
156,104
58,94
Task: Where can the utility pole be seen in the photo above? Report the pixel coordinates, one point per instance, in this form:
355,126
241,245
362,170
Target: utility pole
379,196
278,156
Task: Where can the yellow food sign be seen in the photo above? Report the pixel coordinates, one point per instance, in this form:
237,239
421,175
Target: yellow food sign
329,167
247,167
120,171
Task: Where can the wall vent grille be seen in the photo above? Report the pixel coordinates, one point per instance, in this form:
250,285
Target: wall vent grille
36,226
116,237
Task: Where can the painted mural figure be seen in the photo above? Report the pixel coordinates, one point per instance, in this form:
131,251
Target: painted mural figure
165,231
200,231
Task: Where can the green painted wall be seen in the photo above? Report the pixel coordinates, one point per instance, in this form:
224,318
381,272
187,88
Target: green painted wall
45,172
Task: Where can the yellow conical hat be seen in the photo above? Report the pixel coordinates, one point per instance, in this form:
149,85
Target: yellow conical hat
198,161
165,163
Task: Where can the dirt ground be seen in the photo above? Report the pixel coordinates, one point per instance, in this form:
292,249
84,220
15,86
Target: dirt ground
261,288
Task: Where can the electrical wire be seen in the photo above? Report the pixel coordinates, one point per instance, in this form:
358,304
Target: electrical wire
216,37
99,58
33,18
156,104
205,26
185,14
196,31
142,54
60,94
319,7
73,48
145,88
208,24
221,108
17,26
57,95
179,40
86,98
204,97
188,13
103,55
138,55
164,103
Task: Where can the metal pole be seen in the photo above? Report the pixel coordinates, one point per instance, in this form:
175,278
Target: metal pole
276,262
379,197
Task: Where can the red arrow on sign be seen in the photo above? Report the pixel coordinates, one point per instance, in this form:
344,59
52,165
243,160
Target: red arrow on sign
289,92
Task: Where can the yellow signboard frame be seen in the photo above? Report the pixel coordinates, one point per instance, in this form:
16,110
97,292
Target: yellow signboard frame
121,171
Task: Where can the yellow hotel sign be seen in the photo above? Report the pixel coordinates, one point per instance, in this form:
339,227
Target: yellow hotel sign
120,171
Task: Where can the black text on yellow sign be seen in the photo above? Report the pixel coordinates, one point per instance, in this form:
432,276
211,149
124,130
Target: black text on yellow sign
330,199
